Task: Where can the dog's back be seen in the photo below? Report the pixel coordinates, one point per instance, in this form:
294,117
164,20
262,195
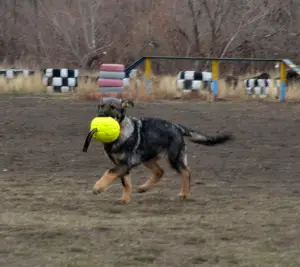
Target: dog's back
153,136
166,130
158,136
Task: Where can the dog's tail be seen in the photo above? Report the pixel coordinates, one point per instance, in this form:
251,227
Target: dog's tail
203,139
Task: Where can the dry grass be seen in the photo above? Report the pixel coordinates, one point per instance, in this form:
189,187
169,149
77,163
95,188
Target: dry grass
30,84
293,93
161,87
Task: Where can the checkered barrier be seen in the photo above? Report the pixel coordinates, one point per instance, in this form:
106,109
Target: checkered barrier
257,86
193,80
13,73
60,80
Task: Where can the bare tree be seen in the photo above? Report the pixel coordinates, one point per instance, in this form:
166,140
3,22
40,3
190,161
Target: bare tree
217,12
84,33
36,20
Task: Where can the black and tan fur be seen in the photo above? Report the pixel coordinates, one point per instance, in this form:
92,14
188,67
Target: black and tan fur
144,141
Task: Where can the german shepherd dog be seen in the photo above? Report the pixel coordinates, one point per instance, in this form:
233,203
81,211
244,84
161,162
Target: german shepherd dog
144,141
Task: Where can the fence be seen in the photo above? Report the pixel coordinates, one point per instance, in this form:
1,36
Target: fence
215,69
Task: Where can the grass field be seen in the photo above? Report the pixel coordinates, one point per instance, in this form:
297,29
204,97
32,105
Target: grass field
244,204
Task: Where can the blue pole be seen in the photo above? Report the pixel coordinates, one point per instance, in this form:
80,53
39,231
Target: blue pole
282,93
215,77
215,88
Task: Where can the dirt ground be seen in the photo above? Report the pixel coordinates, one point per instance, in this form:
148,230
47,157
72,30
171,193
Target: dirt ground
243,210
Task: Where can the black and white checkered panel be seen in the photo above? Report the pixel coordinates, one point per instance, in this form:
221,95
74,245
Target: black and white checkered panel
60,80
189,85
13,73
195,76
60,85
193,80
63,73
257,86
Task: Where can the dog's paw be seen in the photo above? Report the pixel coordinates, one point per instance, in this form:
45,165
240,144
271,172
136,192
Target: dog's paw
123,201
142,189
97,190
182,196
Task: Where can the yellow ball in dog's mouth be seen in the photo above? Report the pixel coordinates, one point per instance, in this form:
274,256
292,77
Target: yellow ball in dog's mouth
108,129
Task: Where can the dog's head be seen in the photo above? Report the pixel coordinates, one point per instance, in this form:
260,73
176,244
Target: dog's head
114,109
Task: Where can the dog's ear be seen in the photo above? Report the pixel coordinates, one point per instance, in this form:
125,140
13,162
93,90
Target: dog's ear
127,104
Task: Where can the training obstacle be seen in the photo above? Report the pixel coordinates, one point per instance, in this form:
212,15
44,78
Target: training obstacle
284,63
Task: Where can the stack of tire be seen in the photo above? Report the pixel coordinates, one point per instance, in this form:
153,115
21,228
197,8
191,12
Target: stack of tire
111,78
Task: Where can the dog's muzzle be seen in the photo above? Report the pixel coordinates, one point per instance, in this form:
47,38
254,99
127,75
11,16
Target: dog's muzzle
101,114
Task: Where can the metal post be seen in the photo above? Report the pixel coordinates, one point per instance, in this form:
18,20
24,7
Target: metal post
148,74
215,77
282,92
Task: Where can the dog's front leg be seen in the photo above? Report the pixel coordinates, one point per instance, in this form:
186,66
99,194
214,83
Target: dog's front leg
127,189
109,177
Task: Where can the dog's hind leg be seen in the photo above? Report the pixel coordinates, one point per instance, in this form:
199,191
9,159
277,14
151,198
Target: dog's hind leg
157,174
178,161
127,189
185,183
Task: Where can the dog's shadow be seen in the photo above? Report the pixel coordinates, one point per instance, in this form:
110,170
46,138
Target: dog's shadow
152,205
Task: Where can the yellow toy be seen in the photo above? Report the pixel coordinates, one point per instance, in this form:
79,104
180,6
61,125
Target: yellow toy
103,129
108,129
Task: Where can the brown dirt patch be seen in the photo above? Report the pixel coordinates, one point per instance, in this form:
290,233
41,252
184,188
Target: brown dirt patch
243,211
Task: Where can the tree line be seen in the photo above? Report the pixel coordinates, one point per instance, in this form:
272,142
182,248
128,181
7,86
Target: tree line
85,33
